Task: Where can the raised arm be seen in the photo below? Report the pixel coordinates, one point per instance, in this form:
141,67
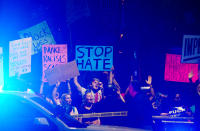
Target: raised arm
152,91
190,76
110,81
120,95
193,84
149,82
79,87
41,88
127,90
116,83
55,99
69,86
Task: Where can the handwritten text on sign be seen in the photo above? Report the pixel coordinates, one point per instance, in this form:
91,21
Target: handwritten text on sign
94,58
40,34
53,55
20,56
177,71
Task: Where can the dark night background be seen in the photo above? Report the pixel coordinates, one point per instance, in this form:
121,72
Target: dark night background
151,28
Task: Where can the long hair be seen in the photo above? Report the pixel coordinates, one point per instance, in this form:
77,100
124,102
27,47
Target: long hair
93,79
84,100
63,97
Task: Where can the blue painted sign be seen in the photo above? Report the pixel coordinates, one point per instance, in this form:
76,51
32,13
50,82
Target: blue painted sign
94,58
40,34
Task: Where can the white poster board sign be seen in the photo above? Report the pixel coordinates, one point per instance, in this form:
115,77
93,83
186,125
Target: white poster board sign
20,56
191,49
40,34
62,72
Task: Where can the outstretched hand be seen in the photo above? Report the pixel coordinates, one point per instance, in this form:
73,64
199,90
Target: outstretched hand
105,72
149,81
112,68
100,85
75,78
131,78
57,83
118,91
190,75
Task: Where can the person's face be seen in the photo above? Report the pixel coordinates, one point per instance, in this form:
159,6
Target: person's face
177,97
95,84
89,98
68,99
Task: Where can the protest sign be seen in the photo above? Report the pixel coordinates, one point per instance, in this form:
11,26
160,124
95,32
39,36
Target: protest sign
53,55
94,58
62,72
51,76
1,68
191,49
177,71
40,34
20,56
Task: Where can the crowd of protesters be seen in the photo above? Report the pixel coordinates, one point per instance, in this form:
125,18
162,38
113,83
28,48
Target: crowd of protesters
141,101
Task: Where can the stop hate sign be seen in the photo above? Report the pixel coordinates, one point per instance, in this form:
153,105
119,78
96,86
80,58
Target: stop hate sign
94,58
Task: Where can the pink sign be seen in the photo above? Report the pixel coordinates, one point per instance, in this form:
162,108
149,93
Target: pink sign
177,71
53,55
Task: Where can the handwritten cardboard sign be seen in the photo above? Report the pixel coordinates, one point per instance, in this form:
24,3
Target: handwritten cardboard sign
177,71
20,56
53,55
40,34
62,72
191,49
94,58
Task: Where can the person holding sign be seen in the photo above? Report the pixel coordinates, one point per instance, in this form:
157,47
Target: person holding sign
55,94
113,84
96,88
60,88
66,111
45,90
150,92
66,104
88,107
